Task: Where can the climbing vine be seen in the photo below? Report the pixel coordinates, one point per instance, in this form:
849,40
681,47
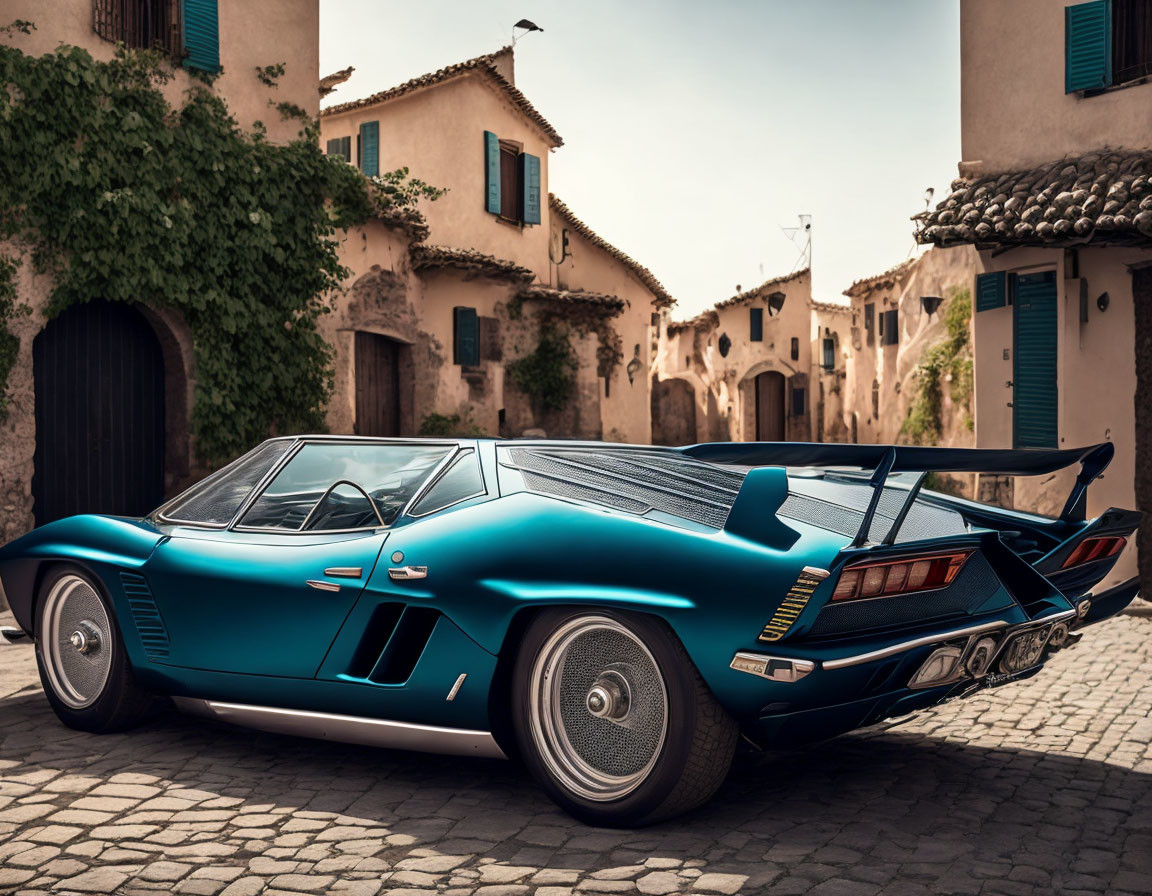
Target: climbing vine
548,375
949,359
123,197
9,344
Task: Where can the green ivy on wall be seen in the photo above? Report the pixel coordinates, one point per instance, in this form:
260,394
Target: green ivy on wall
548,375
9,344
949,359
124,198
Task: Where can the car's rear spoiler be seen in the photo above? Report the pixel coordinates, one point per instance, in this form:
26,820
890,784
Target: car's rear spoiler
886,459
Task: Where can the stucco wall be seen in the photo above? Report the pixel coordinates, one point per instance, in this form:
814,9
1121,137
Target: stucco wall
438,134
1096,378
938,272
831,400
725,385
626,408
252,34
1014,112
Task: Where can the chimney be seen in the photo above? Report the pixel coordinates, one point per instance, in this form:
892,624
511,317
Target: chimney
505,64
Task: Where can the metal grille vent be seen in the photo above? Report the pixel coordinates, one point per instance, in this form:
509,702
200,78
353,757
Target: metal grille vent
146,616
635,481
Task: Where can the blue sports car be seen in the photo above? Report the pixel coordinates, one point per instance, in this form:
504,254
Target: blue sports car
621,618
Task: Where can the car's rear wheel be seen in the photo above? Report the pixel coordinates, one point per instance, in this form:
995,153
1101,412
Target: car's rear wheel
80,654
613,719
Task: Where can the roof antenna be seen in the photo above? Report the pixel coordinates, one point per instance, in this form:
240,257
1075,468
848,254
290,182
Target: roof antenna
527,27
801,236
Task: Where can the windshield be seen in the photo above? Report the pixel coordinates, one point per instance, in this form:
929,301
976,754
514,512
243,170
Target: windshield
325,485
215,500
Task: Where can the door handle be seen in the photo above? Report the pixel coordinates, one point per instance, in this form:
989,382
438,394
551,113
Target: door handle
323,586
408,572
344,572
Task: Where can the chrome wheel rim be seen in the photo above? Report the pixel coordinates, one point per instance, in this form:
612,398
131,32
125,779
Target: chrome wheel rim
598,708
76,642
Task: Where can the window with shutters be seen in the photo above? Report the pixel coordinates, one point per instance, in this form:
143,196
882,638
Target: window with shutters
795,349
870,323
513,181
756,324
341,146
1107,43
890,327
139,24
368,148
799,402
466,337
829,361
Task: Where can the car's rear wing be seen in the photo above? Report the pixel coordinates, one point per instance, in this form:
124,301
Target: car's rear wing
884,460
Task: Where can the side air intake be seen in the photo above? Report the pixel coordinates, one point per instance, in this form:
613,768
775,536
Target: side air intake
146,616
392,643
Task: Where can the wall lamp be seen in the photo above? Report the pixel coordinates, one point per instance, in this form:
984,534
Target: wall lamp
775,302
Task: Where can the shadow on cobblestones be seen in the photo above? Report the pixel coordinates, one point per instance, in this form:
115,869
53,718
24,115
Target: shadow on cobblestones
951,803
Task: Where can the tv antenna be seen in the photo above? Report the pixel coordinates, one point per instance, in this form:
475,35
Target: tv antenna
801,236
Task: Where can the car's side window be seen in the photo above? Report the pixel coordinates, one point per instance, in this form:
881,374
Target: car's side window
216,500
460,481
390,475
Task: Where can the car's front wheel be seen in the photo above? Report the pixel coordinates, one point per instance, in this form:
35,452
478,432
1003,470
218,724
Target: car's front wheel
80,654
614,720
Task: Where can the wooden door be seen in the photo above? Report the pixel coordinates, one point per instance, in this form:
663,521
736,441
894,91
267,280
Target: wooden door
770,407
99,375
377,385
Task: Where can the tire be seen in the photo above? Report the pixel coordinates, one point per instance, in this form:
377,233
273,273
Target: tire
613,720
81,658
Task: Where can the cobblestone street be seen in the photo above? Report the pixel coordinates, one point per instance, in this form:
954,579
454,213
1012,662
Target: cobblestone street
1039,787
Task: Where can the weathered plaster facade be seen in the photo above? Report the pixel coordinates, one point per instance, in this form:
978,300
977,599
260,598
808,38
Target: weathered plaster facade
251,35
1055,183
716,355
435,125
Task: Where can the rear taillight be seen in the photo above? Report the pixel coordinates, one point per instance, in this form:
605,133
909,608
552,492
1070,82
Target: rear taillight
899,576
1095,549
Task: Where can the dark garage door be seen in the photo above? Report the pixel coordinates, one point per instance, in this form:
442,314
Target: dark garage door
99,374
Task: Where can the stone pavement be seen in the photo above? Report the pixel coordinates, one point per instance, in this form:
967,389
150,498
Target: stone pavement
1039,787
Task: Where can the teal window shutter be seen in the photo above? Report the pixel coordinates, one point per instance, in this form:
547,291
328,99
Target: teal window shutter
466,336
334,147
756,324
1035,409
201,35
1088,46
370,148
530,178
991,290
890,327
492,172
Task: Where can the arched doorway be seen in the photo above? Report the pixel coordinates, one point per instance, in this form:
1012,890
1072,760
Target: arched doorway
770,407
99,375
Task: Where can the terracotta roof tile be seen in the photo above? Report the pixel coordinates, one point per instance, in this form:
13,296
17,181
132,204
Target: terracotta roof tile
612,305
756,292
1103,198
663,300
474,263
831,307
890,277
482,65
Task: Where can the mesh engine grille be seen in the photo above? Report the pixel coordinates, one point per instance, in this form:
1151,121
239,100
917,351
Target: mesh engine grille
972,589
146,616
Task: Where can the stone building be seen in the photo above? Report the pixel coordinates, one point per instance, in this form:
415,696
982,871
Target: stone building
1055,194
876,343
98,399
434,325
740,370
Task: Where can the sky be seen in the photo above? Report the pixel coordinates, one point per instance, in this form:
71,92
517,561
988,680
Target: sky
694,132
